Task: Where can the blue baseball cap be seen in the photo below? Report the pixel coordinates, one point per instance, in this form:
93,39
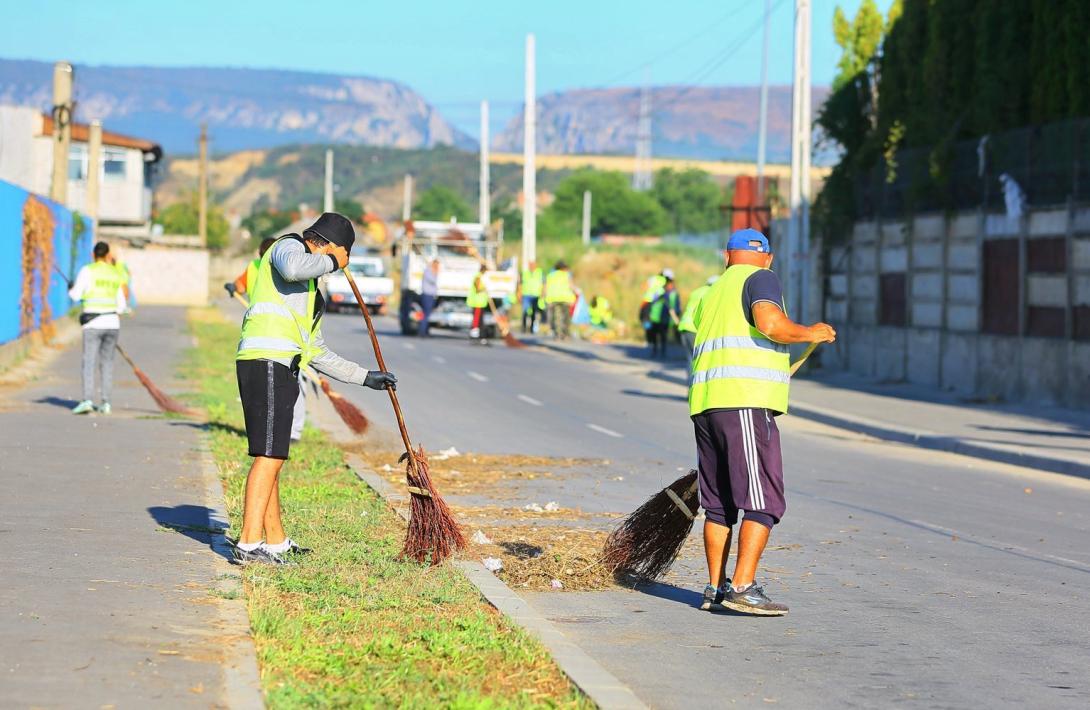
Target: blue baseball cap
743,240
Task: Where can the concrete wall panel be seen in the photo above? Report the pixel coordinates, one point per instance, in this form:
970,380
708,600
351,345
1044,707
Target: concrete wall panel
963,256
168,276
959,363
1078,375
998,225
838,285
889,365
836,311
964,225
1047,223
1080,220
923,356
927,255
861,350
864,311
1044,377
1082,290
961,318
963,288
865,232
927,315
1046,290
894,259
1080,253
929,227
864,259
997,365
893,233
865,287
927,285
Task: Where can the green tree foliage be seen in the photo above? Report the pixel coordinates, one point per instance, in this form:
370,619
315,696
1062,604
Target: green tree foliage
352,209
616,207
690,199
182,218
266,223
440,203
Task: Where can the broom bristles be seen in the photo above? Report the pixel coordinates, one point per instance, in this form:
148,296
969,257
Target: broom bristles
511,341
433,534
646,543
166,403
349,413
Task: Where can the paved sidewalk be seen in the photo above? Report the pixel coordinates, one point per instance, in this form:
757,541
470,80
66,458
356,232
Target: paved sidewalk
1046,438
109,591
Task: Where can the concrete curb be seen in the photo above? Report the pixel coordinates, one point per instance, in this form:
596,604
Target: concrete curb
601,686
922,439
241,677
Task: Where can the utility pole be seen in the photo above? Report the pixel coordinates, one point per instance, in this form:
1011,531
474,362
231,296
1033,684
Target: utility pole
202,186
485,205
327,202
529,171
586,217
94,172
62,130
799,232
641,175
762,130
407,199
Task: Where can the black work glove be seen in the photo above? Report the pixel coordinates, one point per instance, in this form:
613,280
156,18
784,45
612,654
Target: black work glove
378,380
230,288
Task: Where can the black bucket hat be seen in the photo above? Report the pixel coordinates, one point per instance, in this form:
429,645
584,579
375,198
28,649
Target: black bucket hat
334,228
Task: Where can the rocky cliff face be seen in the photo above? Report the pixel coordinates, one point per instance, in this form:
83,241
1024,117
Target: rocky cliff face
244,108
714,123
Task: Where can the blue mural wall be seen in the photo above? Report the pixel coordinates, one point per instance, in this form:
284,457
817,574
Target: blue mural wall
67,253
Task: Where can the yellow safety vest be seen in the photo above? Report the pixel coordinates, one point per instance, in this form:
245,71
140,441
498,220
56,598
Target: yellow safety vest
270,329
601,314
734,364
686,324
532,281
558,287
477,299
101,295
655,285
251,273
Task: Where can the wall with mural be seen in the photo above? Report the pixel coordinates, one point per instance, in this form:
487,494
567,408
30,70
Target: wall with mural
40,239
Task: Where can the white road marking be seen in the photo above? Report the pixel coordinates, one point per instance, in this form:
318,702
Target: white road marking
477,376
530,400
439,359
409,346
603,430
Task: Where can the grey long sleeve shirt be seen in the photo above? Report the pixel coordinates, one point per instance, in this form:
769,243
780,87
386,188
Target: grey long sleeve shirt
294,266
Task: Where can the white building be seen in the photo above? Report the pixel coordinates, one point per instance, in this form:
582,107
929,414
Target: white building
127,167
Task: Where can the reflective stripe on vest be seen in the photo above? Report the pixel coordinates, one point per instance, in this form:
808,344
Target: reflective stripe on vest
270,329
101,295
558,287
532,281
734,364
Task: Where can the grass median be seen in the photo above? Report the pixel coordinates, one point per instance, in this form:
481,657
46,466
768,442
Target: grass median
352,625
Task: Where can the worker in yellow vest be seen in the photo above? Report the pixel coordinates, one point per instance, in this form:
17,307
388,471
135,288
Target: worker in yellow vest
738,385
99,288
281,334
559,297
478,301
600,312
686,327
531,285
246,279
655,286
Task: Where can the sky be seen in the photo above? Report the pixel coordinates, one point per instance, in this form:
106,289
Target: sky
453,52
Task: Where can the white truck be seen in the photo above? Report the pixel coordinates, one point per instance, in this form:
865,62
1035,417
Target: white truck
375,286
459,247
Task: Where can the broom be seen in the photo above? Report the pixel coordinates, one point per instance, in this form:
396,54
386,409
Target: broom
646,543
349,413
433,534
166,403
508,339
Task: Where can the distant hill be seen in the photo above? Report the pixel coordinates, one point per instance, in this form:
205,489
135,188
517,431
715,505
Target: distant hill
244,108
710,123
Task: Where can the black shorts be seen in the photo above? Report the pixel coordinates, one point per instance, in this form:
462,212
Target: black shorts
268,391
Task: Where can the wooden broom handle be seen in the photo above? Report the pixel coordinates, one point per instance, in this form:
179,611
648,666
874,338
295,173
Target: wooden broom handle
382,366
805,355
126,356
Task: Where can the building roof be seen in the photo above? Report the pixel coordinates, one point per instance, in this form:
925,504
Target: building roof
81,132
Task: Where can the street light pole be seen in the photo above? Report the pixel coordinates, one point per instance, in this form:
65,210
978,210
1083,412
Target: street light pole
529,172
762,130
62,130
485,204
799,230
327,202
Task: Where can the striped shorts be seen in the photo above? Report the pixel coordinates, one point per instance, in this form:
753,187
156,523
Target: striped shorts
741,468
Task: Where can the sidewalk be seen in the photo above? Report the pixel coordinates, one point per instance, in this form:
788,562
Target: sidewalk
114,595
1045,438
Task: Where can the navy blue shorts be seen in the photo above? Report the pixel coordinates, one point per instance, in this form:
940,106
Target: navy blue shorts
740,465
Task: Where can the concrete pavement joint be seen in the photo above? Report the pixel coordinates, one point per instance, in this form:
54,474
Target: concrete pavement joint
596,682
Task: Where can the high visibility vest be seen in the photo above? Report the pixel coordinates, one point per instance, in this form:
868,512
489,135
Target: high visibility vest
270,329
101,295
655,285
251,273
477,298
734,364
665,302
532,281
686,324
558,287
601,314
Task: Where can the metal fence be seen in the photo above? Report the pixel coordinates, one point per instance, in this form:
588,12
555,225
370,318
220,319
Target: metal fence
1050,163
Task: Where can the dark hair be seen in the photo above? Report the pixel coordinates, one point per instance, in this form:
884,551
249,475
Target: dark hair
101,250
265,244
312,236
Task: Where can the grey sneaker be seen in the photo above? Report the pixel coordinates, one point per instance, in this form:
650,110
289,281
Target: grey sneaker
752,600
295,548
105,408
84,407
713,598
260,555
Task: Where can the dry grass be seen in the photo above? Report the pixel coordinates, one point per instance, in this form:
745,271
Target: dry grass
534,556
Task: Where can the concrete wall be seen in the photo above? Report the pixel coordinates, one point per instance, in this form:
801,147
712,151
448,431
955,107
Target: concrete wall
942,344
163,276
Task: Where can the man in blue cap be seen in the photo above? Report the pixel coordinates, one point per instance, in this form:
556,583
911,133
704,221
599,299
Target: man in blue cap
739,384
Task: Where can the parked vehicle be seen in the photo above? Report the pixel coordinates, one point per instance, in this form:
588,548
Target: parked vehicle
375,286
457,246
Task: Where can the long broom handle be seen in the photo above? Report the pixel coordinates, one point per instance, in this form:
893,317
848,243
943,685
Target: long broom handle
126,356
382,366
805,354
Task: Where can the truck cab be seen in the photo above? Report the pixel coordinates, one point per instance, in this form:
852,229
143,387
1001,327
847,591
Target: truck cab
375,286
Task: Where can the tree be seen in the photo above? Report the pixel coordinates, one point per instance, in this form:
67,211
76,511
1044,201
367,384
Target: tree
266,223
690,198
440,203
183,218
352,209
617,208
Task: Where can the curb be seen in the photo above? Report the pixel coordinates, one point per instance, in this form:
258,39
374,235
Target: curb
241,677
922,439
598,684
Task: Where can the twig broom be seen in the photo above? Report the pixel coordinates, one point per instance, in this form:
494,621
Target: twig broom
433,534
166,403
646,542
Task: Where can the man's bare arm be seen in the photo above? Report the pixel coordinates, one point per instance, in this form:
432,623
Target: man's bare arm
777,327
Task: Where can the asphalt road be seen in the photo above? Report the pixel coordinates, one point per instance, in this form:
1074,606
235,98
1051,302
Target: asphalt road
914,577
